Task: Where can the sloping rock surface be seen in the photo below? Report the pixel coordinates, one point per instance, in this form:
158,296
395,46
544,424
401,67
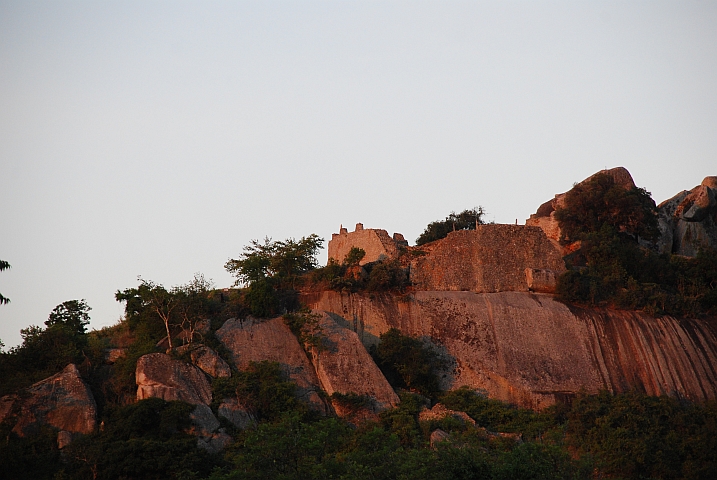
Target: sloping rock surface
253,340
532,350
63,401
159,375
343,365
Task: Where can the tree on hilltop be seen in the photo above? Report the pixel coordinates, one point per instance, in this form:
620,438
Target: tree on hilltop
270,271
466,220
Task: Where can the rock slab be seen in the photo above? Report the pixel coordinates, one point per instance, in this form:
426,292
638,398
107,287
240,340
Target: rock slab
344,366
253,340
63,401
161,376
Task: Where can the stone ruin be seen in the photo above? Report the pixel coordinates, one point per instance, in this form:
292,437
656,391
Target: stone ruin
492,258
377,244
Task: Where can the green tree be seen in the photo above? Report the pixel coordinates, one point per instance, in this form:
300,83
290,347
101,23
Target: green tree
271,270
591,205
466,220
73,314
408,362
154,298
4,266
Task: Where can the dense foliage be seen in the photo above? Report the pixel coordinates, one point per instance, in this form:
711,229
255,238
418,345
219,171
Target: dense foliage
379,276
408,362
272,270
611,267
599,202
466,220
46,351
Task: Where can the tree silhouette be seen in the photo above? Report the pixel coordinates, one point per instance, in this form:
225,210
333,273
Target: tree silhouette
4,266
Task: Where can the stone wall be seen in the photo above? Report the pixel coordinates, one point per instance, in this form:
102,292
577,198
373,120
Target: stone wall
492,258
531,350
377,244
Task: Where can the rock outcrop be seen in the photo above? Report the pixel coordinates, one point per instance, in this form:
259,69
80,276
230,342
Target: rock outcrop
253,340
531,350
544,217
439,412
688,220
63,401
206,359
344,366
236,413
491,258
161,376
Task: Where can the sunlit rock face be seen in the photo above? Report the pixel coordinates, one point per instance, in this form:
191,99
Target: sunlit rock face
253,340
160,376
491,258
63,401
688,220
344,366
206,359
531,350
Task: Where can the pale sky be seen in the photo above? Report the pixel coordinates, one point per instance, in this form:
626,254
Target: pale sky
159,138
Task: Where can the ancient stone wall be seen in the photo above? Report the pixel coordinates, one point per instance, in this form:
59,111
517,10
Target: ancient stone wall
492,258
533,351
377,244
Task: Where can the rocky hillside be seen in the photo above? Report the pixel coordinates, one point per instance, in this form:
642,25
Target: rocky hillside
531,350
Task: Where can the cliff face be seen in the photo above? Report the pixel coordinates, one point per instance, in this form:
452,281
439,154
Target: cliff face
531,350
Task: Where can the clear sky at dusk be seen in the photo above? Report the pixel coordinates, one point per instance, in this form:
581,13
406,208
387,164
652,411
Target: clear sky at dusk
159,138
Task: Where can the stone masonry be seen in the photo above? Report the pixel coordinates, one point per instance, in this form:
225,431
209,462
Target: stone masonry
377,244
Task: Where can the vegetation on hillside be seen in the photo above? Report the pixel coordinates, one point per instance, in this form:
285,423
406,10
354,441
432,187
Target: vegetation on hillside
272,271
379,276
612,267
466,220
596,436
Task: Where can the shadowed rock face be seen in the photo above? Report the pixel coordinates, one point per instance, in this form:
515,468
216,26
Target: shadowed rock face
254,340
689,220
531,350
160,376
343,365
62,401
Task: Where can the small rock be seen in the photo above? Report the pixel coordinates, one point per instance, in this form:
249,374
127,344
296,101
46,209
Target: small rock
439,436
237,415
439,412
6,404
114,354
204,423
64,438
215,442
